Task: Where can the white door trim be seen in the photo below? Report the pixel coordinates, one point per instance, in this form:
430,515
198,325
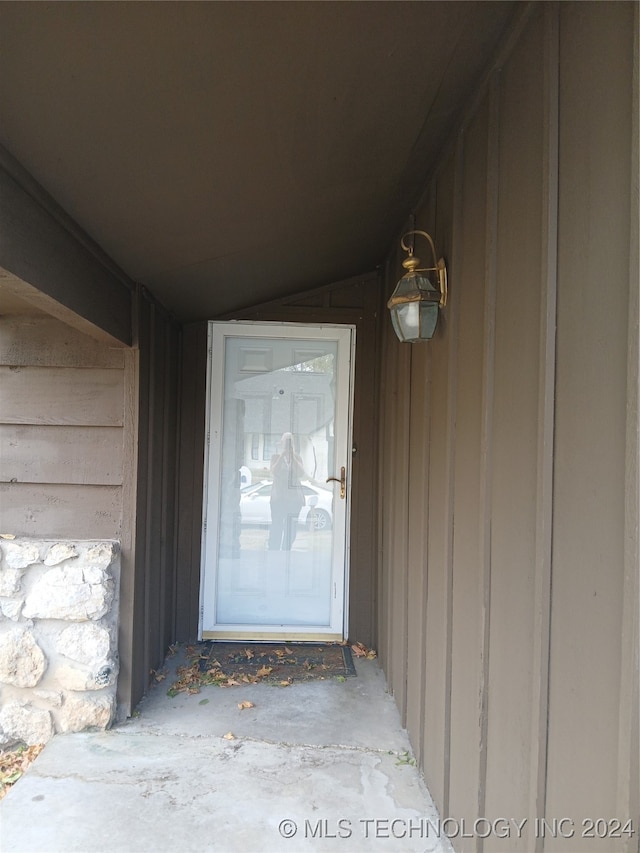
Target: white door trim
338,628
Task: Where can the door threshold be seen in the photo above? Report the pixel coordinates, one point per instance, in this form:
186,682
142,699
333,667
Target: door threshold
273,636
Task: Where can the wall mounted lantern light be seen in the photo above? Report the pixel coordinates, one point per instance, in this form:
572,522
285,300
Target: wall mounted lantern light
416,301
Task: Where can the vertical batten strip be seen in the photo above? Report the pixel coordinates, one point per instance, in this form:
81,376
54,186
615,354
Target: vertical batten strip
396,513
400,526
425,567
628,793
406,534
138,658
416,545
177,396
387,415
452,397
390,532
546,414
493,170
162,640
150,431
126,628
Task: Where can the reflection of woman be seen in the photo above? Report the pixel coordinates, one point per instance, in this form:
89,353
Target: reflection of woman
287,498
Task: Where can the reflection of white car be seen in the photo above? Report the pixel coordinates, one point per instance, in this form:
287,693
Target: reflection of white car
255,506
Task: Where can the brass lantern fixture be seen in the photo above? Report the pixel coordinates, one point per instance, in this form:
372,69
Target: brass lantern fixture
418,297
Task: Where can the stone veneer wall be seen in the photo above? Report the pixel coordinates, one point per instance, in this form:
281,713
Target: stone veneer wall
58,637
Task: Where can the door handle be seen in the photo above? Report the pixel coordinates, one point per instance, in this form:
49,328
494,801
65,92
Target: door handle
342,481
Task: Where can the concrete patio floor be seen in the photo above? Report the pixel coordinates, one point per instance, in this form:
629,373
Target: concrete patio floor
322,765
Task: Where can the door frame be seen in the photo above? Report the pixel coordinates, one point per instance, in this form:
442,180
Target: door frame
254,326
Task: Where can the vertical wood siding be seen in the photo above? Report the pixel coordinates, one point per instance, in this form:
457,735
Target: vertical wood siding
151,620
467,648
585,678
509,447
191,477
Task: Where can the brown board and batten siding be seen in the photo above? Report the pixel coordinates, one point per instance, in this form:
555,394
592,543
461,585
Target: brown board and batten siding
193,395
151,597
509,587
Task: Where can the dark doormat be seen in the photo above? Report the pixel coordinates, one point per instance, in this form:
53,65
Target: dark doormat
276,663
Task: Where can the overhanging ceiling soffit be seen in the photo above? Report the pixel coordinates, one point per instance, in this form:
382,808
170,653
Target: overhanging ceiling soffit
225,154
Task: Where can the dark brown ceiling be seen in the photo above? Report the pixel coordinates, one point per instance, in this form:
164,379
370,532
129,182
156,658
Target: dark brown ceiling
224,154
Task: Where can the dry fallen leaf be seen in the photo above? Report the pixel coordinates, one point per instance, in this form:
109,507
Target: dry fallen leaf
361,651
14,763
248,653
245,704
286,683
264,670
229,736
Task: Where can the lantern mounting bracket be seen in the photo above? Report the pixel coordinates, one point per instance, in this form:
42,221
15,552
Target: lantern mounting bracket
412,263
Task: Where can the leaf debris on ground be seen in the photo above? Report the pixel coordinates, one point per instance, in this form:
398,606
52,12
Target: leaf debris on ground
14,762
361,651
191,678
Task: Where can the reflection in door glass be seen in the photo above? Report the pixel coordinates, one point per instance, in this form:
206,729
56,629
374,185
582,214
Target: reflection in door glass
275,541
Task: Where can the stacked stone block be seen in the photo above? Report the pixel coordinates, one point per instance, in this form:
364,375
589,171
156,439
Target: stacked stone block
58,637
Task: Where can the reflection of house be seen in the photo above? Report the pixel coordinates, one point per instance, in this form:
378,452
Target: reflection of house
298,401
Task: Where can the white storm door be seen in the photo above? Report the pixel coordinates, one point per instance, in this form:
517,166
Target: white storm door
275,549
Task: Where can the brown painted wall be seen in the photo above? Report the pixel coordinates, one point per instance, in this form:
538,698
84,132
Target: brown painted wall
191,477
353,302
509,466
88,450
152,592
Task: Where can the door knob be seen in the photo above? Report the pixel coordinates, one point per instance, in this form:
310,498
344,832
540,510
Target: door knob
342,481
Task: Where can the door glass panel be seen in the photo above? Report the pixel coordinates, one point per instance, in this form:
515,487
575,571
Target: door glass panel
276,511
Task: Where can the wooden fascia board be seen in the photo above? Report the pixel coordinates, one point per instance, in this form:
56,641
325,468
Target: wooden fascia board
41,247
